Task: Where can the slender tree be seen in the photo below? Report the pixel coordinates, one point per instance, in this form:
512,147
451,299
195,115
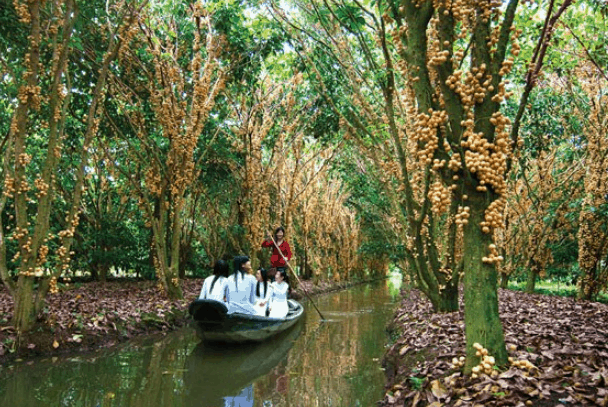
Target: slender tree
593,233
30,184
169,86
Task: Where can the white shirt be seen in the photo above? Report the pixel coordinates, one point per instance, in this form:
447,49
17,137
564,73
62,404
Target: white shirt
241,288
278,304
220,289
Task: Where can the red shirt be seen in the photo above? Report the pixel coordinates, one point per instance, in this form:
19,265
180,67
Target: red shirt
276,260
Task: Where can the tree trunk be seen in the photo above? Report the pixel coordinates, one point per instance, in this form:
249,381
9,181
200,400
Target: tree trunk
531,282
174,289
442,293
184,253
504,280
482,321
103,272
94,272
167,269
24,316
446,300
305,266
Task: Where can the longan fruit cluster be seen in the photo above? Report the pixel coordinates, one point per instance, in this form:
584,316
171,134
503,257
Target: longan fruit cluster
494,257
439,197
462,216
486,365
493,215
53,288
10,187
24,159
30,94
455,164
19,233
22,11
458,363
42,187
43,252
426,133
439,58
522,364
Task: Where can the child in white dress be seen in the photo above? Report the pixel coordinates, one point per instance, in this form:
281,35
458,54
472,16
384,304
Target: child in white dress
263,290
278,299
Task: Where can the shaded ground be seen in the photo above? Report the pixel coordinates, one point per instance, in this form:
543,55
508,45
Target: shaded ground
93,315
564,341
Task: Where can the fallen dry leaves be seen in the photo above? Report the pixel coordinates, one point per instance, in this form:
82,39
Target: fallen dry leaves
96,314
564,344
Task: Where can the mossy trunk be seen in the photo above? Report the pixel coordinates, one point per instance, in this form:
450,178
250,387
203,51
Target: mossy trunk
24,313
167,253
481,317
174,290
504,280
446,300
587,286
306,269
531,281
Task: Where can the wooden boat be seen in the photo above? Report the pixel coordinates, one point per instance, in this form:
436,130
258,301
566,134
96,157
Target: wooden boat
213,323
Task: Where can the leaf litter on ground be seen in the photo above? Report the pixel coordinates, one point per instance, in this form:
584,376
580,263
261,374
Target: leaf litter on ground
563,342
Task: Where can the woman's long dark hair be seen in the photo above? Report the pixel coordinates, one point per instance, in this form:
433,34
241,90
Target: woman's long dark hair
264,274
237,263
220,269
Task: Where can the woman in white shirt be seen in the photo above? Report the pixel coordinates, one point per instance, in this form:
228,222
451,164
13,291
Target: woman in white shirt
280,291
263,291
241,287
214,287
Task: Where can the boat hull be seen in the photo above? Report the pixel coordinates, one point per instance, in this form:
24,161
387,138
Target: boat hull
214,324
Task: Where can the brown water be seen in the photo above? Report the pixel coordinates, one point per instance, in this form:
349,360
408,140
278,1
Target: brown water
331,363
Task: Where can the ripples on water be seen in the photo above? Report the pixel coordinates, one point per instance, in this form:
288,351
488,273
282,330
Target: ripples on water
329,363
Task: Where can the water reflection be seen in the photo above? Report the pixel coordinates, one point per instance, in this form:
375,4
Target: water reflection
331,363
222,374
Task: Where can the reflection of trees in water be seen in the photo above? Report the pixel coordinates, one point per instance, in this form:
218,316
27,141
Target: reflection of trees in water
141,373
323,366
171,371
224,370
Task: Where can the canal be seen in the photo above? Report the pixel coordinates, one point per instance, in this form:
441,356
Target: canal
335,362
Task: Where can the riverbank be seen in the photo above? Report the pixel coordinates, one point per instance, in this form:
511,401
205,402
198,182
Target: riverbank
559,348
92,315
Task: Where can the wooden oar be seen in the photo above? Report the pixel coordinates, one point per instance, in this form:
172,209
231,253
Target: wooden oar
294,274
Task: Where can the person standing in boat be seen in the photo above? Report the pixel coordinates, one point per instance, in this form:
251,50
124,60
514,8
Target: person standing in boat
215,286
280,291
241,287
277,261
263,291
